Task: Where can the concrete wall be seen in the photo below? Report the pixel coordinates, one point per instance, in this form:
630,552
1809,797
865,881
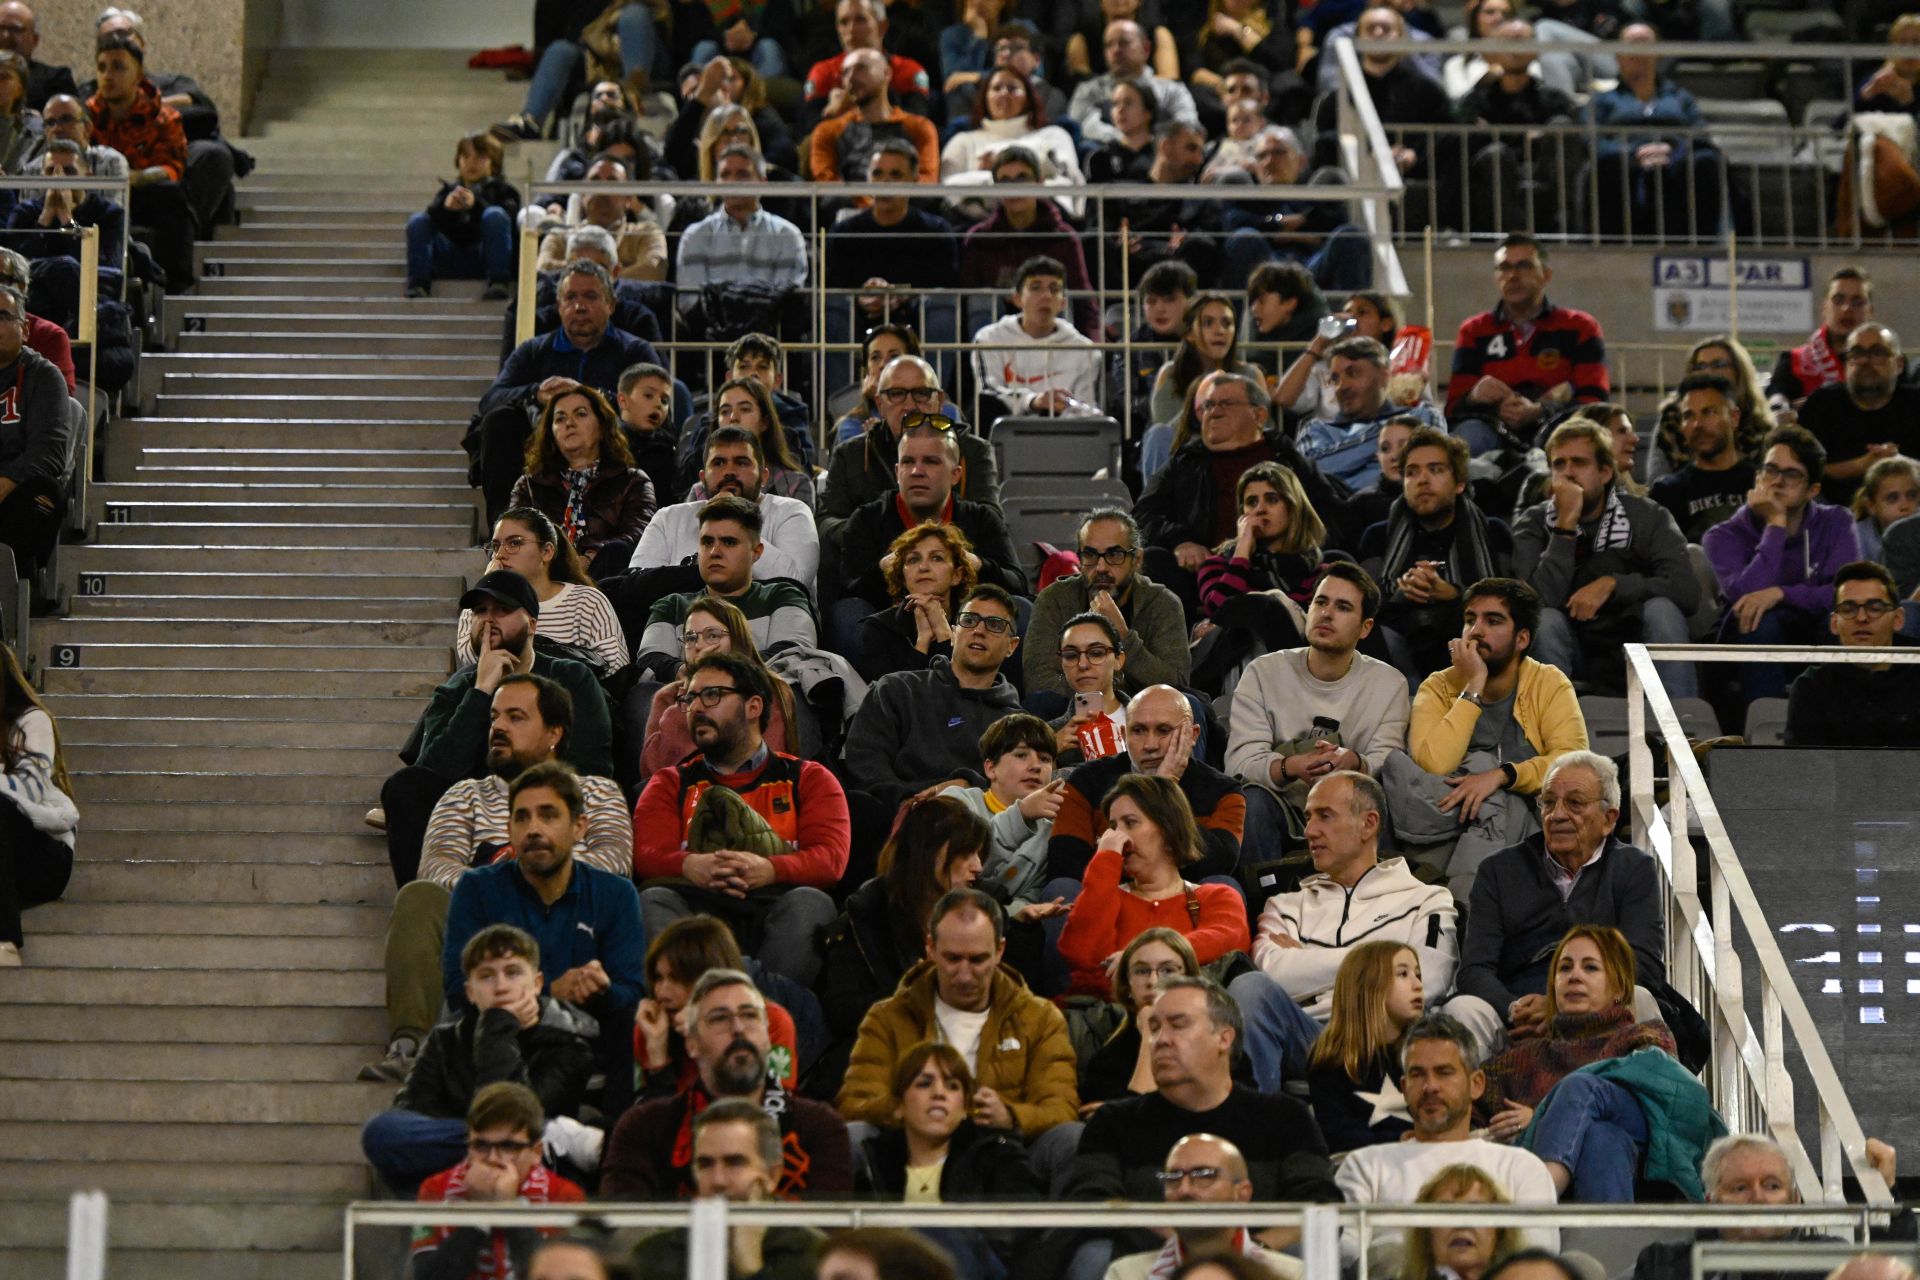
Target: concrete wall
206,39
427,24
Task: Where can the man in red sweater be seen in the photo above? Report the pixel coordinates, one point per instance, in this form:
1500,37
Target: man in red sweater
775,903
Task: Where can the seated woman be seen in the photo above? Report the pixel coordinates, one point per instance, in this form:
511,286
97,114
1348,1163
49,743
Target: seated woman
676,958
1459,1253
938,1155
930,569
746,402
1590,1130
1094,661
694,137
1306,388
855,405
938,844
1275,549
1135,111
1121,1066
1133,883
1230,31
1721,357
966,46
1889,491
712,625
1008,113
1376,996
581,475
466,232
563,52
37,815
1209,329
572,610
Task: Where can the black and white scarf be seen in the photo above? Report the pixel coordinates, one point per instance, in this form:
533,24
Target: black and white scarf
1468,559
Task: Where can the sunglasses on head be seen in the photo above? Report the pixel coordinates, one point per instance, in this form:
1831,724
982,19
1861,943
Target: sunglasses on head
928,422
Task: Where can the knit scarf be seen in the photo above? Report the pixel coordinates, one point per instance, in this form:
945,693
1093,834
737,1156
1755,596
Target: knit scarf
1614,531
1815,364
795,1164
493,1262
573,521
1468,559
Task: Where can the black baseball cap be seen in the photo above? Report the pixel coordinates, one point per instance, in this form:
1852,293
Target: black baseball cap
506,587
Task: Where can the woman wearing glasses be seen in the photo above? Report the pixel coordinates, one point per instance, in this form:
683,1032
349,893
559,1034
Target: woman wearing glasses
746,402
879,347
712,625
572,610
582,476
906,393
930,569
1121,1066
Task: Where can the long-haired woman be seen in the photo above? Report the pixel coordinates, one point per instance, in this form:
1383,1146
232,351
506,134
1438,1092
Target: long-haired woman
712,624
746,403
582,476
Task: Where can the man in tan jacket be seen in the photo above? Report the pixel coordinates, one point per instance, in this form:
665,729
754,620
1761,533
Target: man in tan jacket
962,995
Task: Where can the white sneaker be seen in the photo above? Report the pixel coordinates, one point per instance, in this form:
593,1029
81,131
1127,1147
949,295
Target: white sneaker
9,956
578,1144
376,818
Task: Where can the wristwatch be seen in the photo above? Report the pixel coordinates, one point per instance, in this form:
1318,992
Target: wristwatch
1468,695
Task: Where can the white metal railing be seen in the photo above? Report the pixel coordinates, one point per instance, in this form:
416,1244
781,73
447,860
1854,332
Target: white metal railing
1748,1078
1368,159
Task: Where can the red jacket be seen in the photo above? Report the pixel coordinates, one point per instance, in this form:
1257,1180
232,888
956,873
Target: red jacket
485,1254
809,813
1105,918
150,135
51,341
1562,346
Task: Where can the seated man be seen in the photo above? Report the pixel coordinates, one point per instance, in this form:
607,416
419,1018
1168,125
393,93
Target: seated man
1610,567
451,740
762,358
1036,362
1434,541
632,309
503,1166
862,24
586,351
509,1031
740,241
1528,895
531,718
1775,557
585,920
777,610
739,1155
45,338
1353,897
1442,1081
1344,447
1301,714
1204,1169
1485,730
843,145
1147,616
23,37
1160,738
773,892
65,118
905,256
1841,705
1511,175
1873,414
639,244
647,1156
1717,478
1821,361
36,442
129,116
921,729
45,227
1127,47
1015,1043
1317,237
735,465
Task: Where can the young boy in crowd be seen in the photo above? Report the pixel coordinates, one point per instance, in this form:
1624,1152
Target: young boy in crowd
1036,362
1165,290
1018,802
646,416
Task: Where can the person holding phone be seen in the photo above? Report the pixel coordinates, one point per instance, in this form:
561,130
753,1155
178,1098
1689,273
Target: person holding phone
1092,660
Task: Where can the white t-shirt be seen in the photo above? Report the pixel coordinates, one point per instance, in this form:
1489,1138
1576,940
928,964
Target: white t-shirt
1394,1172
961,1030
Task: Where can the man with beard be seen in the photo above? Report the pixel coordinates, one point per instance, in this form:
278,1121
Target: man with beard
1714,483
1442,1081
586,920
772,895
1821,360
650,1152
1434,541
1127,49
1485,727
1300,714
1343,446
1874,414
1152,628
843,145
735,464
778,612
531,717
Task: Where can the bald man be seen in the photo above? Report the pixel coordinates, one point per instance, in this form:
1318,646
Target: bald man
1872,414
843,145
1204,1169
566,1260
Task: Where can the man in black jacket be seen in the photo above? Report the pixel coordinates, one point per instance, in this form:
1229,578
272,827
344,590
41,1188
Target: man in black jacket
36,435
585,351
1841,705
20,33
509,1032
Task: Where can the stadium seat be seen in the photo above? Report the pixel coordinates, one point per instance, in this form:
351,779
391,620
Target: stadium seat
1767,722
1067,449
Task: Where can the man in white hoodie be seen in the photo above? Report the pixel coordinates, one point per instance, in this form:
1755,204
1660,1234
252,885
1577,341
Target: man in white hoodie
1035,362
1352,897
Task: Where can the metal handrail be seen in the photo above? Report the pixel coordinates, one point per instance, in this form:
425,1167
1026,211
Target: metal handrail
1748,1079
1369,160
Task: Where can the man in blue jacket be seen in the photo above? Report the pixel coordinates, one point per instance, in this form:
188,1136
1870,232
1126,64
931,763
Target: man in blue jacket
587,921
586,351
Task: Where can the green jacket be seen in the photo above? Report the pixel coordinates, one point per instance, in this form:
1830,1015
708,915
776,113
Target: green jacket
453,734
1156,643
1681,1121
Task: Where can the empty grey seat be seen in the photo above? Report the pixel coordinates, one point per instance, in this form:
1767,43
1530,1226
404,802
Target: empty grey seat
1071,448
1767,722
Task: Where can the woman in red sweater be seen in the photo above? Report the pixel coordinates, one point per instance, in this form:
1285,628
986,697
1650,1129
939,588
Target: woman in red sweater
1133,884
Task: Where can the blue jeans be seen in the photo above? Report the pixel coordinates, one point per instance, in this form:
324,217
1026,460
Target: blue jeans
1156,447
1342,264
1782,624
1264,837
405,1147
1661,622
431,256
1597,1131
1280,1033
1480,437
640,50
767,57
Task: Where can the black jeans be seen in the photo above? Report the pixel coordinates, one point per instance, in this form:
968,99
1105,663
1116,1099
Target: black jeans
408,797
30,519
503,455
34,868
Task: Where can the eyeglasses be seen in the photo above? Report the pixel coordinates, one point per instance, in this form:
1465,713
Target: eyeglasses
1875,609
1115,556
510,1147
1154,971
1792,475
54,122
1204,1176
1205,407
708,697
1092,653
919,395
493,546
747,1017
1860,355
995,626
1722,363
712,635
927,421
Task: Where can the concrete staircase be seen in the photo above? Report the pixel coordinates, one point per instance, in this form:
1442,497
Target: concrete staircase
266,604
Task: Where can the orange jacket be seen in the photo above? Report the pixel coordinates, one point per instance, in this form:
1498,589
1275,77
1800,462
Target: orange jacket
150,135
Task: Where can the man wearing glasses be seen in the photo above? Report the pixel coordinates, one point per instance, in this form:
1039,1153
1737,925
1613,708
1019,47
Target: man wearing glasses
20,33
1839,705
66,119
1203,1169
761,848
1775,557
1147,616
1872,414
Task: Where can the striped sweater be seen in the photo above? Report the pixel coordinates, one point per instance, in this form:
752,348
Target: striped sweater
578,616
473,814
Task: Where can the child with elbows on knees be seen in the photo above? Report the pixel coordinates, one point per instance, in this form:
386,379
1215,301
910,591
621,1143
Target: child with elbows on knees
466,233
